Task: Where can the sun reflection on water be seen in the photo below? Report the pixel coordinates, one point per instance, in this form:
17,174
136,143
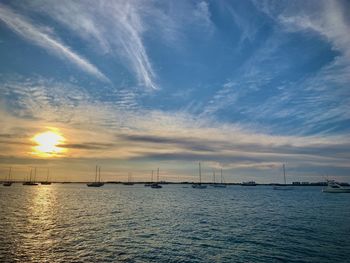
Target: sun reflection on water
41,220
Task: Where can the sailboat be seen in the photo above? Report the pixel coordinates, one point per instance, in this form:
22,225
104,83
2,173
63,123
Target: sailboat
156,184
214,179
129,182
30,182
199,185
97,182
151,182
285,186
221,184
47,178
8,182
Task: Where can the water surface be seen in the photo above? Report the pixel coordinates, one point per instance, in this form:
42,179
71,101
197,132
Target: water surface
74,223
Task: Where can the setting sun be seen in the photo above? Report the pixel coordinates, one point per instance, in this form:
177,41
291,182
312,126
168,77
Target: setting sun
48,144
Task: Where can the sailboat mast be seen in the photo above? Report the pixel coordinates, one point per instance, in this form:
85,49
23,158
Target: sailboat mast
30,175
9,174
200,173
284,173
99,173
158,175
152,177
34,174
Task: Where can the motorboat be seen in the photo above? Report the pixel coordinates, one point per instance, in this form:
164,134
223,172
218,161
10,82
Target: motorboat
249,183
333,187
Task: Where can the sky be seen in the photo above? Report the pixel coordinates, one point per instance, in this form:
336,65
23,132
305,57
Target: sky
243,86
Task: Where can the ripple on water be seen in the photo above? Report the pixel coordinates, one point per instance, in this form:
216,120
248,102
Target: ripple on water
73,223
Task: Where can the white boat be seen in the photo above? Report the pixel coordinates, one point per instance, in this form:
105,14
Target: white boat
333,187
249,183
199,185
97,182
285,186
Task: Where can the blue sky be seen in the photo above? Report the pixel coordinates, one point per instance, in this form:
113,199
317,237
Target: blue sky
133,85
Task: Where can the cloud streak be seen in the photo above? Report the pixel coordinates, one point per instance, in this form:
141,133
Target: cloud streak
112,28
24,28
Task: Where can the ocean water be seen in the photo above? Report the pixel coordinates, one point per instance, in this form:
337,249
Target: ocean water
117,223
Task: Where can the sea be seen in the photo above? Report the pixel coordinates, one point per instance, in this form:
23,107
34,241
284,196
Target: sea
119,223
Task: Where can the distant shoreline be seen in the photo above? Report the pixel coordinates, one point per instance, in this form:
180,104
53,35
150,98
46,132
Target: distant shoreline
186,183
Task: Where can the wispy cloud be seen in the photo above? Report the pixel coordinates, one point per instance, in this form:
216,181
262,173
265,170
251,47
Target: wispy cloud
112,28
37,35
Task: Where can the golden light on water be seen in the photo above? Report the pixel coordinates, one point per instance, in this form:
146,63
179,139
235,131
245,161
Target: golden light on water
47,144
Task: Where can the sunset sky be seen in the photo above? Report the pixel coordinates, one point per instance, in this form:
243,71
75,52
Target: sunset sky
135,85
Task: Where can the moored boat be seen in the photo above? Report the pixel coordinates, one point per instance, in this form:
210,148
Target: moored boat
249,183
30,182
284,186
97,182
8,182
156,185
221,184
199,185
47,182
333,187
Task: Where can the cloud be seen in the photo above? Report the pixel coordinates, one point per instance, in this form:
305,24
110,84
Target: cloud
86,146
202,15
38,36
112,28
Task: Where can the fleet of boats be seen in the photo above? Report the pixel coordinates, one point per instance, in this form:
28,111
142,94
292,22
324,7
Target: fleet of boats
332,185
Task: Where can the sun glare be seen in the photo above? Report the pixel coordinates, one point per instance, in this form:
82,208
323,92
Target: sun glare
47,144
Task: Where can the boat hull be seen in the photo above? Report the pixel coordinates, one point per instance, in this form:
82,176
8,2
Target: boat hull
199,186
95,184
219,185
156,186
283,188
30,183
344,190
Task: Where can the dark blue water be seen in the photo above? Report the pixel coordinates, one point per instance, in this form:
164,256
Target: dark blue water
74,223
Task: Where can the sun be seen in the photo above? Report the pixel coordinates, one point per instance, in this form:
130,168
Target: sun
48,144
